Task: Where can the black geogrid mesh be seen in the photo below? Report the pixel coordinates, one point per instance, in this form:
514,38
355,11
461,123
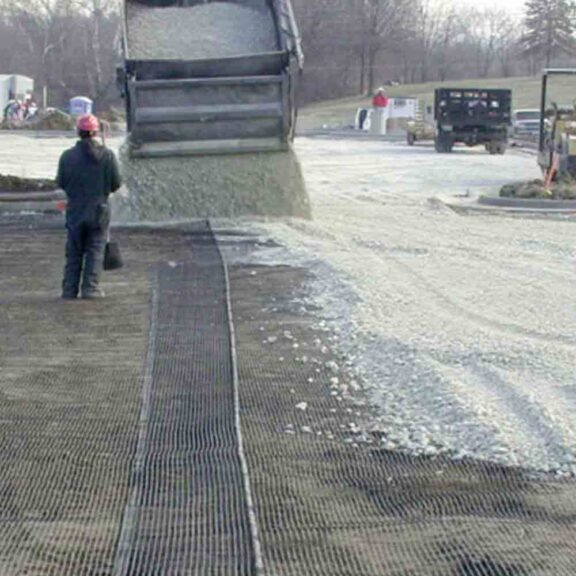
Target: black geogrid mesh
190,506
329,502
72,376
71,386
70,390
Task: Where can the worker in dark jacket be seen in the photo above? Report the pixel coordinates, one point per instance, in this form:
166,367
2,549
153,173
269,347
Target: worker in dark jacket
88,173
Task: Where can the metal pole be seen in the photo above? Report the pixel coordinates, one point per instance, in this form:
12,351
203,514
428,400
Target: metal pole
543,109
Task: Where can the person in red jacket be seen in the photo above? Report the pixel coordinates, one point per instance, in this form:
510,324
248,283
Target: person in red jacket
380,99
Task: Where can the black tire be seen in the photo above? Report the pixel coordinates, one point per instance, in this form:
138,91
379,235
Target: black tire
411,138
444,144
502,147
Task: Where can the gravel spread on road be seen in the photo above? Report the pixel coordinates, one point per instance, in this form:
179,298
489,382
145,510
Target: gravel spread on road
462,327
214,30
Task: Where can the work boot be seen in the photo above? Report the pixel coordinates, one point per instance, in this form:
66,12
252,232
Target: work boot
93,294
68,296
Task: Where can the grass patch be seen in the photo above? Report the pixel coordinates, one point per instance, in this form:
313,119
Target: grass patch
525,94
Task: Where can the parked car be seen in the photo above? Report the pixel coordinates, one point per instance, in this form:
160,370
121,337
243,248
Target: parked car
526,122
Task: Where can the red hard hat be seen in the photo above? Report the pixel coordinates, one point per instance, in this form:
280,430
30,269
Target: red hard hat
88,123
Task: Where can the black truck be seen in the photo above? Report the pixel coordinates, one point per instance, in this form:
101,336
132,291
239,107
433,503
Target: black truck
472,116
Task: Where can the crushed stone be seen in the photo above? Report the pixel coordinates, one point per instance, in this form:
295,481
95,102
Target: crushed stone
163,189
460,330
205,31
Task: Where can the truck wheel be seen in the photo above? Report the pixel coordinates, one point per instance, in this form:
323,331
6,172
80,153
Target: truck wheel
443,145
411,139
492,148
501,149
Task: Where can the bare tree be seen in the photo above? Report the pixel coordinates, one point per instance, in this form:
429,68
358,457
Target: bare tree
98,14
430,20
351,46
486,29
380,26
43,27
450,32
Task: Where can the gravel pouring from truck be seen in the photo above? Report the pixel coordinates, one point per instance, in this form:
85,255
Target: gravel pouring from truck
210,77
472,116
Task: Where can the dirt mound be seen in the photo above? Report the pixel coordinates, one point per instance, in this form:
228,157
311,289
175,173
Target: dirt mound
16,184
51,120
114,116
114,120
562,190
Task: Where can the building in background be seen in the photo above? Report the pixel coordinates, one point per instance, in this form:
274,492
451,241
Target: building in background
14,86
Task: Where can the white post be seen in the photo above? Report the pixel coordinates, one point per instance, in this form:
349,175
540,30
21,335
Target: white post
45,97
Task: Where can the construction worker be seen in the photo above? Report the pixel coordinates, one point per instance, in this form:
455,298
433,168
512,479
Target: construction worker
88,173
380,100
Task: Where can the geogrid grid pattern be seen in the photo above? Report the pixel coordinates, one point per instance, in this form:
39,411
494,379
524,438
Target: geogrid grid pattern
118,437
119,449
189,513
70,389
331,501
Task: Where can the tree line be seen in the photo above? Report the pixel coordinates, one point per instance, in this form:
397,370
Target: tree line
72,47
352,46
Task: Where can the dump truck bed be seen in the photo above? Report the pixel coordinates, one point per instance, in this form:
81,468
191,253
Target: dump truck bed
470,106
210,77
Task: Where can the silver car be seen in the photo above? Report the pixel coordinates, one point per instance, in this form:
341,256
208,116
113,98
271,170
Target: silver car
526,122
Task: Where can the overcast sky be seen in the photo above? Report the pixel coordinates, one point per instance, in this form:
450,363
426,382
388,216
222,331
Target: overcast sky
514,6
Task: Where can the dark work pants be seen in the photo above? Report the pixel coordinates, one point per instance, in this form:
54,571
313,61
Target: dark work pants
87,234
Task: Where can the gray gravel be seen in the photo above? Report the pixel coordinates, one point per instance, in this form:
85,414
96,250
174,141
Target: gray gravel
163,189
216,30
463,327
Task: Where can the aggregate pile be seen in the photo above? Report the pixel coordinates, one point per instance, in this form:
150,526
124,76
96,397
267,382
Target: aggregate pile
216,30
564,189
10,183
50,119
229,186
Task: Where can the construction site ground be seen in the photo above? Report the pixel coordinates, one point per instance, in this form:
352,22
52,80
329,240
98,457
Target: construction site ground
334,346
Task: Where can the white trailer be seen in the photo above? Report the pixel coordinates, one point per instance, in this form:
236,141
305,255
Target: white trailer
14,86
